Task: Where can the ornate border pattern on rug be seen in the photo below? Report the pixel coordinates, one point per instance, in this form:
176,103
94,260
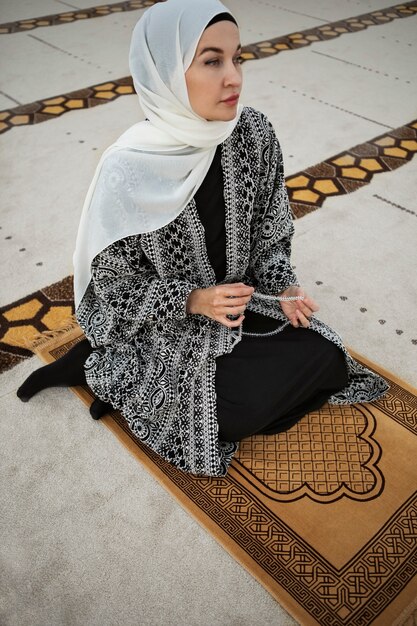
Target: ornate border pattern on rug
73,16
344,596
400,405
50,108
358,591
300,39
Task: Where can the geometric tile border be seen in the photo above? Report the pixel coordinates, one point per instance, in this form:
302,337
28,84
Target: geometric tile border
41,311
73,16
44,110
50,108
350,170
300,39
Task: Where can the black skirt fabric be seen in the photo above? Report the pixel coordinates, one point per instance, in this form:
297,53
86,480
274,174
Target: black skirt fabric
266,384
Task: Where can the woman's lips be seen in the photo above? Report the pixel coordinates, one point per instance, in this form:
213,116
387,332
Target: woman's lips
232,100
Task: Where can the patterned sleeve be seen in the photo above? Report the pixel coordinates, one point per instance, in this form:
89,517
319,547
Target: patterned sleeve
126,293
272,226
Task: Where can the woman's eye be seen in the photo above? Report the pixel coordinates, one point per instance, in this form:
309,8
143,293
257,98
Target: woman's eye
238,60
212,62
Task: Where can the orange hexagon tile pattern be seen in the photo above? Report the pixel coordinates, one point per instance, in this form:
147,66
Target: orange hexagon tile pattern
44,310
44,110
350,170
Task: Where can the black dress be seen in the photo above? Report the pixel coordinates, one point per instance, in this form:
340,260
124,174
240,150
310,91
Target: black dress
266,384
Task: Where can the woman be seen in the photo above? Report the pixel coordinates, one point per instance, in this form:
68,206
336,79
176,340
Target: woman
197,329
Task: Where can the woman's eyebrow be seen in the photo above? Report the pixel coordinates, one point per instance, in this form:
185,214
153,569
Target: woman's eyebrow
216,50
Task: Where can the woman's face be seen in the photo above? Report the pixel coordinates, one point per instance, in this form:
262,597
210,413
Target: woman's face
214,78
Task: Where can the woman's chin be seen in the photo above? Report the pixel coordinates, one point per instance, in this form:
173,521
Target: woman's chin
224,115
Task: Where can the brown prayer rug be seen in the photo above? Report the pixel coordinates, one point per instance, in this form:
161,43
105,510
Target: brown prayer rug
323,515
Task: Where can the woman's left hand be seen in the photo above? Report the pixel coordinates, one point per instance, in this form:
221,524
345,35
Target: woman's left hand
298,311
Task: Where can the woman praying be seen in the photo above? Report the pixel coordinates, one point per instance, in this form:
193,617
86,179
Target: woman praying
196,327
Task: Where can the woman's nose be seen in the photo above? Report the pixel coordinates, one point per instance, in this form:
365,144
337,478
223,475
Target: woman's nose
233,76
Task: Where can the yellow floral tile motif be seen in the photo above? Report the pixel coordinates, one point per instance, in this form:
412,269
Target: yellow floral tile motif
351,169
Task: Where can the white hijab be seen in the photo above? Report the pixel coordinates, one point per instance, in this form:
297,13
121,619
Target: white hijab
147,177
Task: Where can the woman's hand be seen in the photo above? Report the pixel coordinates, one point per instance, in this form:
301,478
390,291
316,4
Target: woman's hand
219,301
298,311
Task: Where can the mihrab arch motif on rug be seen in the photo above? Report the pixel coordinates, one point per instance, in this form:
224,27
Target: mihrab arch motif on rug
327,455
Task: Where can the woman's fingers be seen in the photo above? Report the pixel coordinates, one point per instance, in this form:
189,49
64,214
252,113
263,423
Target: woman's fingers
231,323
305,310
311,304
233,302
303,320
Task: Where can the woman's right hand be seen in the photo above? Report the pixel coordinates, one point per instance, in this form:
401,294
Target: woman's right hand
219,301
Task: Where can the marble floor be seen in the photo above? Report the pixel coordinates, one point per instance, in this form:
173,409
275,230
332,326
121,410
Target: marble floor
337,78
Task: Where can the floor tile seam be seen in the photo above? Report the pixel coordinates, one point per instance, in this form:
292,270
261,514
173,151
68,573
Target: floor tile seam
6,95
362,67
336,106
66,52
313,17
325,179
394,204
42,110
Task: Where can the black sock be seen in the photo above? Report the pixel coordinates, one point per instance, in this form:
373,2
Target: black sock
66,371
99,408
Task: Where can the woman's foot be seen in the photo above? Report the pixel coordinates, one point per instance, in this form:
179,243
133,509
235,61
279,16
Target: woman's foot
67,371
99,408
33,383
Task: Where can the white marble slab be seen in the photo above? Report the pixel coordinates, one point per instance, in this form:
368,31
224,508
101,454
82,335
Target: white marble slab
12,11
259,21
55,60
316,79
368,51
330,10
309,131
357,256
7,102
45,171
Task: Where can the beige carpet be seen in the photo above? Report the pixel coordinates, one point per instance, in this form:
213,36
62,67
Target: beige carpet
324,515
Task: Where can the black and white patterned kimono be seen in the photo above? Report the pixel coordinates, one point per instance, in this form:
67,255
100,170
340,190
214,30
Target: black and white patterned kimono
155,362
